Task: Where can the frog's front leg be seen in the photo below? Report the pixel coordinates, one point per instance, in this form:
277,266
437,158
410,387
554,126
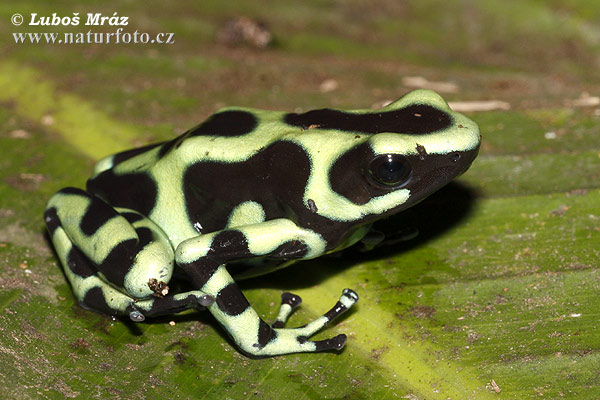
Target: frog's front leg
204,257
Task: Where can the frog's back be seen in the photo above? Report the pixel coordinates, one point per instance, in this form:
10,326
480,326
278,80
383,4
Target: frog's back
250,129
181,183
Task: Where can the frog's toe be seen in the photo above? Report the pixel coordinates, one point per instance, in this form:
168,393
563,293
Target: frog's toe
289,302
335,343
170,304
206,300
136,316
291,299
347,300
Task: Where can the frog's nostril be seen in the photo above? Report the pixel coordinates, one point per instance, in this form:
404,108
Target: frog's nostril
455,157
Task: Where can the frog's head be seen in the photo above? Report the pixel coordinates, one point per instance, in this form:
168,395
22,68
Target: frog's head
402,154
423,147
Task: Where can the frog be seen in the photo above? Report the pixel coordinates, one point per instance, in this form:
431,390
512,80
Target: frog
245,193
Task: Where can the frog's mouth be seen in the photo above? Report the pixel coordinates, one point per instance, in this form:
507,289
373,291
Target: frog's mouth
431,172
422,174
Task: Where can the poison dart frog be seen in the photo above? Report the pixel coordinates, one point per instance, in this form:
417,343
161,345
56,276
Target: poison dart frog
245,193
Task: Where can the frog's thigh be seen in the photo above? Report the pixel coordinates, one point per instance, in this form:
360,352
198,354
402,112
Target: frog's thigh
129,250
89,290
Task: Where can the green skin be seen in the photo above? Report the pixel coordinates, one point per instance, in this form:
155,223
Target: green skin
247,192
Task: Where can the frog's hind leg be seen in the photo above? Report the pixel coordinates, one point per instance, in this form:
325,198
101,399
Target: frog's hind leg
89,290
117,260
126,248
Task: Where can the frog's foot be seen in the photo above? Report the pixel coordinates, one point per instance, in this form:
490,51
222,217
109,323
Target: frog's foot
170,304
347,300
277,340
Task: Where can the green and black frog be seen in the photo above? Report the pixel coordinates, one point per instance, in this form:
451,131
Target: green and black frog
245,193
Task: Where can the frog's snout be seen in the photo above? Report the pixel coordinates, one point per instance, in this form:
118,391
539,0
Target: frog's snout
463,159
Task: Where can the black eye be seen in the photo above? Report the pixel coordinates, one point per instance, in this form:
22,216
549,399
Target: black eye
390,170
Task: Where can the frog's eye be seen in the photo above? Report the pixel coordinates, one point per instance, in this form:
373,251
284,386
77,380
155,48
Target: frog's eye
390,170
